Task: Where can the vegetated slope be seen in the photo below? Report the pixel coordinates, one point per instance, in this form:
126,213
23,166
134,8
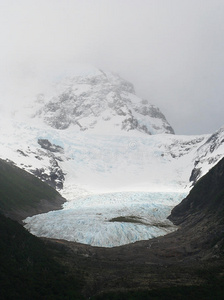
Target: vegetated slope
22,194
27,269
201,214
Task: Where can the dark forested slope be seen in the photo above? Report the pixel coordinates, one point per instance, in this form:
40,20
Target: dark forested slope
200,215
22,194
27,270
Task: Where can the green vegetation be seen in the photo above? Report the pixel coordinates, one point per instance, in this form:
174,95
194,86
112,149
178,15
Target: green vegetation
206,292
27,270
20,190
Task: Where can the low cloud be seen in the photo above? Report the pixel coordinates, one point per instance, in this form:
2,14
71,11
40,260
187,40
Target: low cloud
172,51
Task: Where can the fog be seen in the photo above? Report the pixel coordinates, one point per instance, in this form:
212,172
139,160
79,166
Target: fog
171,50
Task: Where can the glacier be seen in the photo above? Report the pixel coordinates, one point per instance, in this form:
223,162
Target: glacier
108,219
112,155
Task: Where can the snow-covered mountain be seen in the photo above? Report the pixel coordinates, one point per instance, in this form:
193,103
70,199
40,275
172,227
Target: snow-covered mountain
91,135
101,101
90,131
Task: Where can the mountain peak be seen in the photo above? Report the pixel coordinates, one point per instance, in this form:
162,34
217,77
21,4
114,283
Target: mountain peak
95,100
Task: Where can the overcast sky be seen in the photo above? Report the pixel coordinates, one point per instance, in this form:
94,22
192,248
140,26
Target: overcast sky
171,50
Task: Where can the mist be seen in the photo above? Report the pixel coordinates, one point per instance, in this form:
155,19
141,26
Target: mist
171,50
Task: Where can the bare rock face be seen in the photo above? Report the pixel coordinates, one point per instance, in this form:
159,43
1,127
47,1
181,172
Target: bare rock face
208,155
89,101
45,144
49,167
54,175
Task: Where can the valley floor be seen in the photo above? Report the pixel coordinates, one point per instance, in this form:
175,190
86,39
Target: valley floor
143,266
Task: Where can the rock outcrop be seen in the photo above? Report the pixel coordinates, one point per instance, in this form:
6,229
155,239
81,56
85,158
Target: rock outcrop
90,101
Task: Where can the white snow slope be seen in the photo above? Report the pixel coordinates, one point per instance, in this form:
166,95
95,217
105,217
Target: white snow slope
111,154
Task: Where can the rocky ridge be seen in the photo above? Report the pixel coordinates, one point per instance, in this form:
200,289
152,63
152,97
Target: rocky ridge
208,154
88,101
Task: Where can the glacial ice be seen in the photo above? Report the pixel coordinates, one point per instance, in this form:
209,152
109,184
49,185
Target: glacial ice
88,220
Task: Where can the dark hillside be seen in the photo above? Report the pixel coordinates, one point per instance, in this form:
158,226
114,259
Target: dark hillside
186,264
22,194
200,215
27,270
207,197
